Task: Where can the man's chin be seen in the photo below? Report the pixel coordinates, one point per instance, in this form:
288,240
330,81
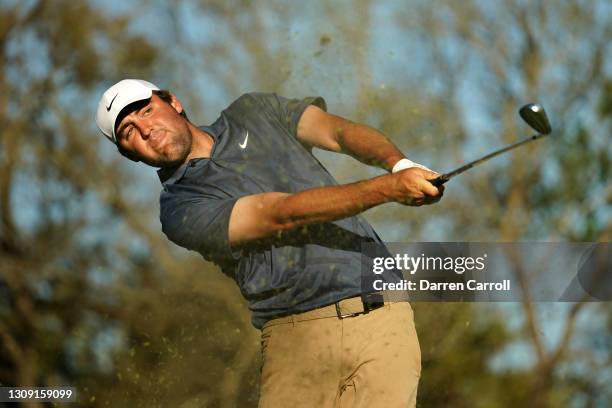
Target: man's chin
167,162
171,155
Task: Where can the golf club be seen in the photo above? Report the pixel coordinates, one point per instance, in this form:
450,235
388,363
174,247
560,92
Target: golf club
533,114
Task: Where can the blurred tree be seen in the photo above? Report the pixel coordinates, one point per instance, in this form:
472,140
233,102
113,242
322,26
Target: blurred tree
491,58
80,260
92,294
51,57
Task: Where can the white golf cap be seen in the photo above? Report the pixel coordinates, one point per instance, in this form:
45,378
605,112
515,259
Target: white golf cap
118,97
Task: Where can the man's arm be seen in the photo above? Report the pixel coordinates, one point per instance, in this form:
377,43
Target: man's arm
264,215
330,132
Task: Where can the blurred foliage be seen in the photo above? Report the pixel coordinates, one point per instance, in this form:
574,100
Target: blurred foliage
92,294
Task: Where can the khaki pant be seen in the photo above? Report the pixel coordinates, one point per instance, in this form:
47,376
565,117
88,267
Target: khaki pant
368,360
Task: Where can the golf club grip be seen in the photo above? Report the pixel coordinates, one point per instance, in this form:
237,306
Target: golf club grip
438,181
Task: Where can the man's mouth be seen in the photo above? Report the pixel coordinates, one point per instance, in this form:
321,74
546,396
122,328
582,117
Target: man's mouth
157,139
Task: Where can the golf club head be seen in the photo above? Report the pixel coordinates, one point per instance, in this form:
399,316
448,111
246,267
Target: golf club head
535,116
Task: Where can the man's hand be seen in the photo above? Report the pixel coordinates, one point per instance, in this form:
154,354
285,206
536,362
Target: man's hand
411,187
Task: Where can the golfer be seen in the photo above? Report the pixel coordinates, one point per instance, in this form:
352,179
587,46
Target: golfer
247,193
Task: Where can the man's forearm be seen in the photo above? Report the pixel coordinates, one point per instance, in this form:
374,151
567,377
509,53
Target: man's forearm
264,215
367,145
330,203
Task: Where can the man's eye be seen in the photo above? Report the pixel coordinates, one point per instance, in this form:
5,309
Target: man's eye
147,111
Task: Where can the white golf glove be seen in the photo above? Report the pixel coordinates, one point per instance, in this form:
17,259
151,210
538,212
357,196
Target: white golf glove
406,164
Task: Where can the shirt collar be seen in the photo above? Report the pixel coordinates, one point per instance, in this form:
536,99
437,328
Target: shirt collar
171,174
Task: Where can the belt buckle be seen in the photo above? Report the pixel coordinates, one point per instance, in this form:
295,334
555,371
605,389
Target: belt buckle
372,301
369,306
344,316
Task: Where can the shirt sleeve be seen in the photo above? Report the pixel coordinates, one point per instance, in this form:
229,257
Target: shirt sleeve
199,223
287,111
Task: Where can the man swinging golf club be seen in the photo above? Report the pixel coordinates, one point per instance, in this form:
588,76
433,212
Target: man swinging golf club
247,193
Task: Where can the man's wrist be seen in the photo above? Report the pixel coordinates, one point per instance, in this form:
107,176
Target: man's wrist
406,164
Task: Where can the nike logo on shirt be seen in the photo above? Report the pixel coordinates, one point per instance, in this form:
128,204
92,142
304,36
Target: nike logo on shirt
246,140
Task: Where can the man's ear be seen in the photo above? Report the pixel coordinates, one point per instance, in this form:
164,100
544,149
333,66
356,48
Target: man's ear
176,104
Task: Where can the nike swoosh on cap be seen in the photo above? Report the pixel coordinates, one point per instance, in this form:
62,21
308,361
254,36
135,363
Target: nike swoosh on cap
108,108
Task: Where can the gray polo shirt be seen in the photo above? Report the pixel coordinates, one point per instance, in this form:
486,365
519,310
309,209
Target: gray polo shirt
255,151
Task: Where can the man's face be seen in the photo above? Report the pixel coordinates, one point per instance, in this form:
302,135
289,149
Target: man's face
153,132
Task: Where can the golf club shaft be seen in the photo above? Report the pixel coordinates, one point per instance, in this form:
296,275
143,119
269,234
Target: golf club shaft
447,176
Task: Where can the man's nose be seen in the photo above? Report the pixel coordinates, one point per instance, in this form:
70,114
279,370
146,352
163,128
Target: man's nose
145,127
